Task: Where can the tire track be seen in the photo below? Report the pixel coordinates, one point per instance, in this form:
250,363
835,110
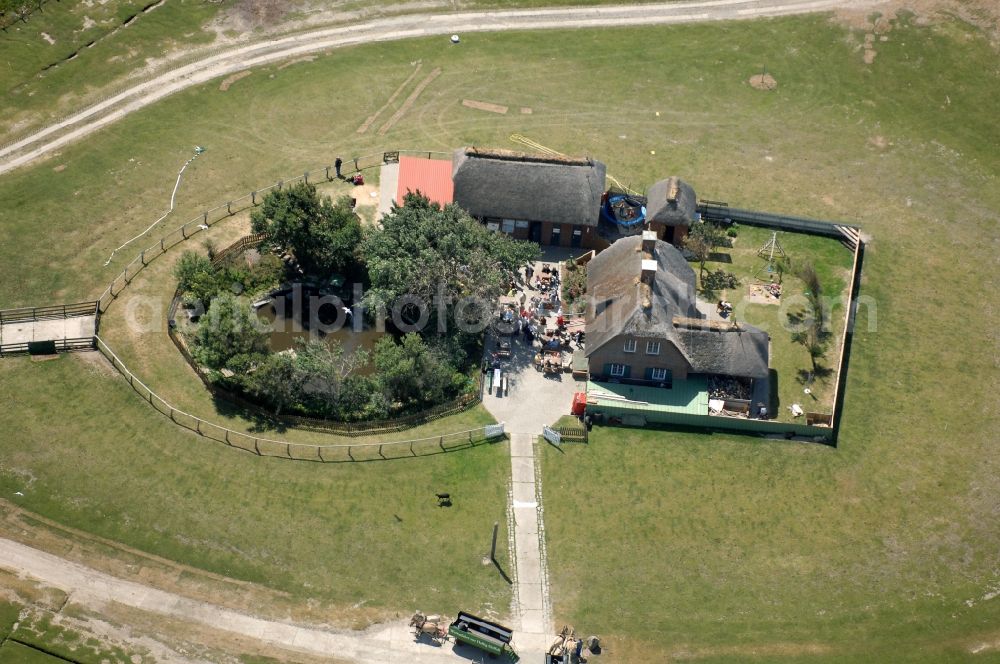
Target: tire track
93,118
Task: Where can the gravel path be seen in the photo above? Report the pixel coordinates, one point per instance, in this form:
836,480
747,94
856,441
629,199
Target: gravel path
87,587
239,58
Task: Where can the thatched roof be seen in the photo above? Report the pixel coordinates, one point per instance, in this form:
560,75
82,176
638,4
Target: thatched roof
513,185
729,350
671,202
620,304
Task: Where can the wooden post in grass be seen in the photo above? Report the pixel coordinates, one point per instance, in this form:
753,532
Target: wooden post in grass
493,546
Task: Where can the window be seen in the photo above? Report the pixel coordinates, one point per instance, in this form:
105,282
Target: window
630,345
618,370
554,238
659,375
508,226
652,348
520,224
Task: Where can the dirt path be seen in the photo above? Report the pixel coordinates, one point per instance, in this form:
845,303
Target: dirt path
239,58
98,592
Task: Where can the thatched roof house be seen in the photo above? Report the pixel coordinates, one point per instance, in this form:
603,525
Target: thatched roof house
671,202
501,184
642,317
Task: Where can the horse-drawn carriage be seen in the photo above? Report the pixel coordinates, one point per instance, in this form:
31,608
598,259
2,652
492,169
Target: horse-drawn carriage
434,627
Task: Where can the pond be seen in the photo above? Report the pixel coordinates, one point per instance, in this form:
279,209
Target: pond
303,313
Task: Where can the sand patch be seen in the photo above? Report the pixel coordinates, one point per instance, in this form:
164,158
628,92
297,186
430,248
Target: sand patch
60,168
484,106
304,58
47,37
232,79
870,54
880,142
88,22
525,110
763,82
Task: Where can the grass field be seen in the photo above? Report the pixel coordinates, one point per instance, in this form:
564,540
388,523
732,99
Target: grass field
832,262
728,548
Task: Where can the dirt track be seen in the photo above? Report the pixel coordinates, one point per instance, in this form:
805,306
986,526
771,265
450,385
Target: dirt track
239,58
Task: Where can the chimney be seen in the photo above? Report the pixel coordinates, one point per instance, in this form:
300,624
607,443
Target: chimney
649,243
648,271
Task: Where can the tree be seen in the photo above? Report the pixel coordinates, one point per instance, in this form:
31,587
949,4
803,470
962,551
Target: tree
276,380
323,370
426,251
322,235
701,240
811,332
412,373
229,330
189,267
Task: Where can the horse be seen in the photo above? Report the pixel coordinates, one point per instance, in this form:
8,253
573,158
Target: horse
433,626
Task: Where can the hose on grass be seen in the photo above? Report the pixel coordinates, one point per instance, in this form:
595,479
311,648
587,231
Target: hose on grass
173,198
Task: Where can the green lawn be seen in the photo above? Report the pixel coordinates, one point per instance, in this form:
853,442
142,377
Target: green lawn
833,266
88,453
666,543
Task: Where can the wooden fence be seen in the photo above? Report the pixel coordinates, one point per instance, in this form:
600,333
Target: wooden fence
285,449
246,242
59,346
53,312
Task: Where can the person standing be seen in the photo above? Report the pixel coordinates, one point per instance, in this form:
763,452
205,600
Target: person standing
337,164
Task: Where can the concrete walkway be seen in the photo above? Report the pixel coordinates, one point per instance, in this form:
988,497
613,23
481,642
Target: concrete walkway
240,58
53,329
535,631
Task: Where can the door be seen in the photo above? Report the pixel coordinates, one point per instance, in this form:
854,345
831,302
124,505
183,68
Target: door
577,237
535,232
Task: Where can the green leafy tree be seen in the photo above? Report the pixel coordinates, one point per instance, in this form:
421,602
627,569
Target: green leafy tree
230,329
276,380
413,373
190,268
701,240
426,251
323,235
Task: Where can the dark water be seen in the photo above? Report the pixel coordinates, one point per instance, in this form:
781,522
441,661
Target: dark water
329,325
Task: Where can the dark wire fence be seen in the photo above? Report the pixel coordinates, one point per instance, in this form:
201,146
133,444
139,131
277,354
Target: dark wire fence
262,446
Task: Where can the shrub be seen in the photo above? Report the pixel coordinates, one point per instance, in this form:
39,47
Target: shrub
719,279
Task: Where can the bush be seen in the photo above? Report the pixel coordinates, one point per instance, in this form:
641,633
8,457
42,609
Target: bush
733,231
719,280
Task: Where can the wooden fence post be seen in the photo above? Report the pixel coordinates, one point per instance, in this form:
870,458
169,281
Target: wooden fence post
493,546
227,437
319,453
161,245
229,208
380,451
142,256
256,446
288,450
441,443
184,231
305,177
205,218
197,427
327,173
412,453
